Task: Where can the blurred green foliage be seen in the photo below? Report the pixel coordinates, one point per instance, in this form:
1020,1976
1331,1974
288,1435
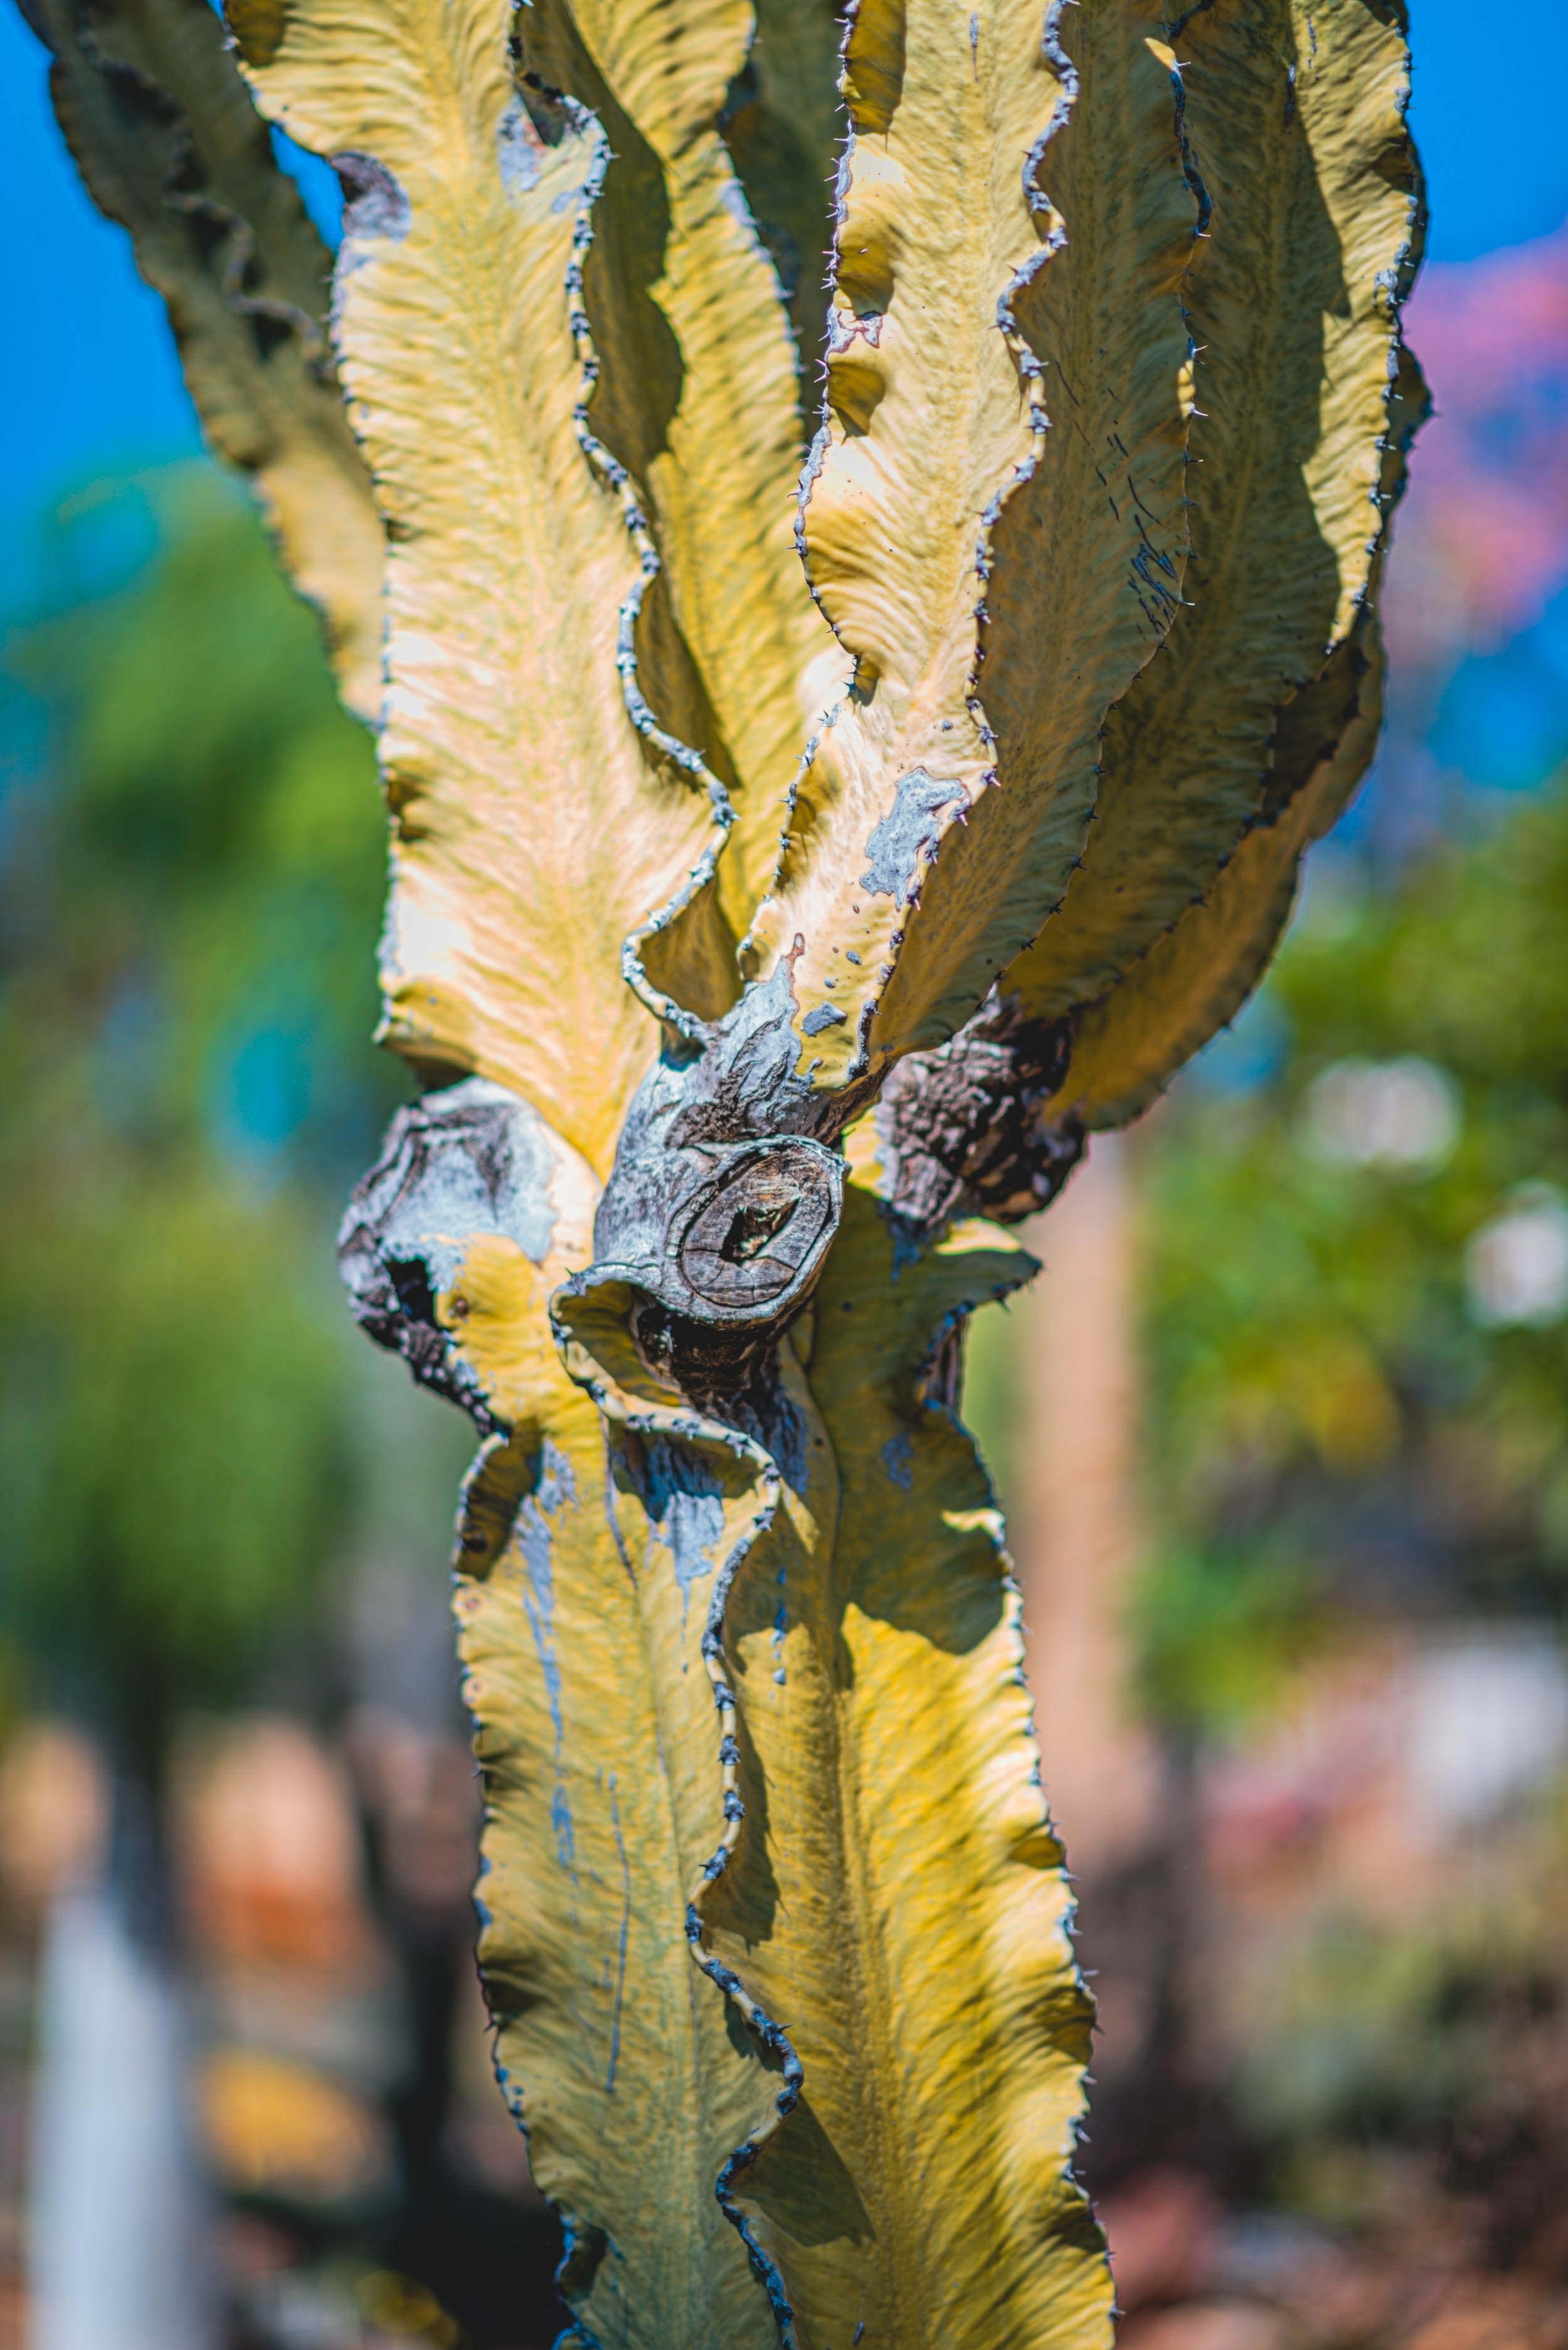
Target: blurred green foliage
1337,1421
190,888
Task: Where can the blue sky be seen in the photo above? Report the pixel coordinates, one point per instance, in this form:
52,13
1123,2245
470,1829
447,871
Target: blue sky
91,383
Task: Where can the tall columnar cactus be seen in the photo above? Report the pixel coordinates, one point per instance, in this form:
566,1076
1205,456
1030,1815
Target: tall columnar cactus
842,747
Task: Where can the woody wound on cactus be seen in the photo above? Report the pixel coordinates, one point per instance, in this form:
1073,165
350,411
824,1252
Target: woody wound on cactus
844,746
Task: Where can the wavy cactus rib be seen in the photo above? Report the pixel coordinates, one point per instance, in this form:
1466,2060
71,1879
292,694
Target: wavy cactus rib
1006,373
465,378
1294,117
1066,340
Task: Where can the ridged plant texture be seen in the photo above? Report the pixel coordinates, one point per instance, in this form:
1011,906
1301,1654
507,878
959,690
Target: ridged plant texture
871,522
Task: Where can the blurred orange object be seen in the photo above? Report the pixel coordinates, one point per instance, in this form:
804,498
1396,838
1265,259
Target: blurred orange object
1076,1532
276,2128
1495,2314
423,1788
54,1815
269,1848
16,2333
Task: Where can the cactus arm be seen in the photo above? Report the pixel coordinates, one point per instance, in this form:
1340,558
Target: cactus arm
540,588
698,396
1127,1044
163,132
899,1897
529,831
1293,119
580,1612
1014,224
751,1701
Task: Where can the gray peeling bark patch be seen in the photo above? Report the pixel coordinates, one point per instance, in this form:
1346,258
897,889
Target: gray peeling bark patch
907,839
517,147
375,205
473,1158
376,209
684,1500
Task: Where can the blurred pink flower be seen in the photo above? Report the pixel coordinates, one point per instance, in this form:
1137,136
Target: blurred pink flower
1482,542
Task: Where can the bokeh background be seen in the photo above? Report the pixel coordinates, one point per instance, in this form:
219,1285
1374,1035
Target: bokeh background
1282,1435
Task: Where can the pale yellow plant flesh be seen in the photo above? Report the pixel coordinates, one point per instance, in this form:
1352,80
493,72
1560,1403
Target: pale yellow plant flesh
999,561
898,1897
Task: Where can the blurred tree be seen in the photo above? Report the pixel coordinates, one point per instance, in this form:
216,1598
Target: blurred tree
192,856
188,882
1356,1221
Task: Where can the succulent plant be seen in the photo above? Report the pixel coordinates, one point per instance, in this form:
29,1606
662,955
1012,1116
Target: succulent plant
872,526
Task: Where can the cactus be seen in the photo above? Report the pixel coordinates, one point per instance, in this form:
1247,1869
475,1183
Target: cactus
844,746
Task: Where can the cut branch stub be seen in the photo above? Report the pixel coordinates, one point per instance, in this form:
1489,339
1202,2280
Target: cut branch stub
469,1164
721,1204
757,1230
958,1129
